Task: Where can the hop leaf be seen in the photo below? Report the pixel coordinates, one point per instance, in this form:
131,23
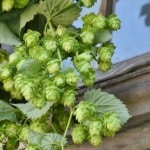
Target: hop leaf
33,147
79,134
20,4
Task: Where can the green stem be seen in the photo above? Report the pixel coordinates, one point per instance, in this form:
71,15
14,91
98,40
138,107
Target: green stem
60,58
67,127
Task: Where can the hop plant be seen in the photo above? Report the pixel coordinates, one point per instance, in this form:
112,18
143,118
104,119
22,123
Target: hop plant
31,38
79,134
113,22
7,5
20,4
84,111
111,123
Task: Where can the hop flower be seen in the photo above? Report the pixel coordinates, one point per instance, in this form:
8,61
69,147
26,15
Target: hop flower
39,126
84,111
79,134
87,19
16,94
111,123
53,66
105,66
69,44
11,143
59,80
61,30
95,140
87,36
113,22
89,78
50,44
52,93
69,98
22,49
8,84
99,22
20,4
95,128
6,72
71,78
24,133
2,136
31,38
88,3
7,5
14,58
11,130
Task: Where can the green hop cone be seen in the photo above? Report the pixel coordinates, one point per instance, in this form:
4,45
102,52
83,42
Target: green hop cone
87,19
14,58
95,128
20,3
105,66
33,147
113,22
71,78
84,111
111,123
53,66
59,80
7,5
87,36
6,72
89,78
11,130
88,3
31,38
8,84
63,121
2,136
50,44
23,133
79,134
99,22
95,140
69,98
84,56
69,44
52,93
39,126
61,30
22,49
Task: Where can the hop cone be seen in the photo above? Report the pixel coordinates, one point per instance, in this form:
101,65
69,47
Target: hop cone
20,3
111,123
95,128
12,143
24,133
7,5
104,66
87,19
31,38
8,84
53,66
79,134
59,80
6,72
84,111
14,58
95,140
88,3
61,30
113,22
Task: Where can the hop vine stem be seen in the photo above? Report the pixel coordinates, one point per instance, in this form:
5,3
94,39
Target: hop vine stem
67,127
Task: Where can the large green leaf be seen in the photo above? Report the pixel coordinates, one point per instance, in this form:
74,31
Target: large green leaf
107,102
7,112
7,36
52,140
32,112
59,12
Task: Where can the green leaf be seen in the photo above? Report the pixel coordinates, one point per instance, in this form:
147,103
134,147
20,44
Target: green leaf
7,36
102,36
31,111
107,102
35,138
7,112
27,15
59,12
52,140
